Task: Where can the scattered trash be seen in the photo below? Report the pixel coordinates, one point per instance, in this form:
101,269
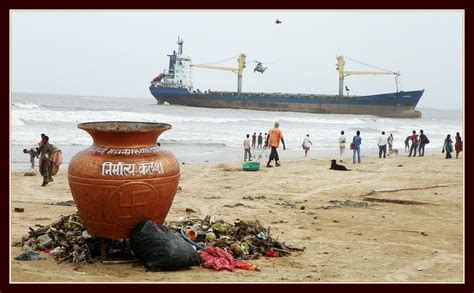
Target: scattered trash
251,236
161,249
346,203
68,203
67,240
270,252
424,234
419,269
400,165
397,201
237,205
19,210
30,255
217,259
287,204
302,208
253,198
210,237
29,173
188,210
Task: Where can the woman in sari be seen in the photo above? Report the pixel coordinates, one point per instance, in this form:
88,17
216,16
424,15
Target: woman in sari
448,146
458,144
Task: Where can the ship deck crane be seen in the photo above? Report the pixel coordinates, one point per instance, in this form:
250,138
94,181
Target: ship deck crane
342,73
239,70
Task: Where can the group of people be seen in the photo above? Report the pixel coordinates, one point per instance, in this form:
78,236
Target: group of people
45,152
418,143
448,146
272,140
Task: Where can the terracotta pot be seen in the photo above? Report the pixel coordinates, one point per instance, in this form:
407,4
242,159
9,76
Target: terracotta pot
123,178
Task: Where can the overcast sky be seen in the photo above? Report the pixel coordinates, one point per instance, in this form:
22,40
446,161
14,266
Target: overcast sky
116,54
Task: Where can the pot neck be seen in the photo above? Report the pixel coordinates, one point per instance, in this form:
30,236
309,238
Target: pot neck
125,139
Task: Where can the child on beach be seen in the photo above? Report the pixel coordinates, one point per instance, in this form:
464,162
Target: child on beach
33,152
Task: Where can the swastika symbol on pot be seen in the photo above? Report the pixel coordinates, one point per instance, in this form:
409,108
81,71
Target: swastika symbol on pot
132,203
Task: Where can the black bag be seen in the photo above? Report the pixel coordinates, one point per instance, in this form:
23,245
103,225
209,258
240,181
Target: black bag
427,141
162,249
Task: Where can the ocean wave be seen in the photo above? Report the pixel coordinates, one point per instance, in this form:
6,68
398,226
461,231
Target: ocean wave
21,105
37,114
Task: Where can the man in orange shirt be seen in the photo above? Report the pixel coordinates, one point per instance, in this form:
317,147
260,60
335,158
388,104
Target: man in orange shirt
273,140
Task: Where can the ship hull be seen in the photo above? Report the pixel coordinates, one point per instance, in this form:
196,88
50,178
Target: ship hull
400,104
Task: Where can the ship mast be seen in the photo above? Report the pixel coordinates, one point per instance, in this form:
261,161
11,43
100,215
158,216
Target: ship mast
342,73
180,48
239,70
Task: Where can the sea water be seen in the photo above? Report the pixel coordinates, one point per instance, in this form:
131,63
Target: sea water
210,135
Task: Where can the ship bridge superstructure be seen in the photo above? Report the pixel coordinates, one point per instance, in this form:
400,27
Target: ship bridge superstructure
178,74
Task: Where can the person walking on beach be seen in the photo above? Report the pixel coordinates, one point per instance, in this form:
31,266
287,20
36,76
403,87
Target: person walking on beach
390,143
306,143
342,146
33,152
356,142
247,148
266,141
254,139
382,143
414,143
45,160
259,141
423,141
448,146
273,140
407,143
458,144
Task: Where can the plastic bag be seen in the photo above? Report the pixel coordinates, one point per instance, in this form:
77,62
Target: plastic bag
161,249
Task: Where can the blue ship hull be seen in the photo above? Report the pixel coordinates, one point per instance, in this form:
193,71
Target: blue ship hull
401,104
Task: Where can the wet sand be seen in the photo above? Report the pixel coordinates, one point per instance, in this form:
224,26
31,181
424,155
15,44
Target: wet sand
410,231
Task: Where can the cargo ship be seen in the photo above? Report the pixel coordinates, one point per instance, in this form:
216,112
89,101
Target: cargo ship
174,86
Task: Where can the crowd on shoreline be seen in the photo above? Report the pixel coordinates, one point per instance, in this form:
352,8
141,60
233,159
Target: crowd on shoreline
414,143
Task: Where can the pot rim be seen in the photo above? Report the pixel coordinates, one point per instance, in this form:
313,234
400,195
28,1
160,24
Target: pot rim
123,126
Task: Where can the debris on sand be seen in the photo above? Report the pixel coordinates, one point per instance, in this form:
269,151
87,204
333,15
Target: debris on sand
346,203
67,240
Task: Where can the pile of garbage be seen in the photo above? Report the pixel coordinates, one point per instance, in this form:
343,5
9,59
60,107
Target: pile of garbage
243,239
68,241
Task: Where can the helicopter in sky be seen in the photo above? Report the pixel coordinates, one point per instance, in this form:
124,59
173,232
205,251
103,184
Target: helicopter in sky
259,67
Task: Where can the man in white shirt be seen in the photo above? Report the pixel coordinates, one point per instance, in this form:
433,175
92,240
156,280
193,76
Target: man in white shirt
382,143
342,145
247,148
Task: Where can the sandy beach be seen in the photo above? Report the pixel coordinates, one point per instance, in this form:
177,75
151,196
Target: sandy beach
410,231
